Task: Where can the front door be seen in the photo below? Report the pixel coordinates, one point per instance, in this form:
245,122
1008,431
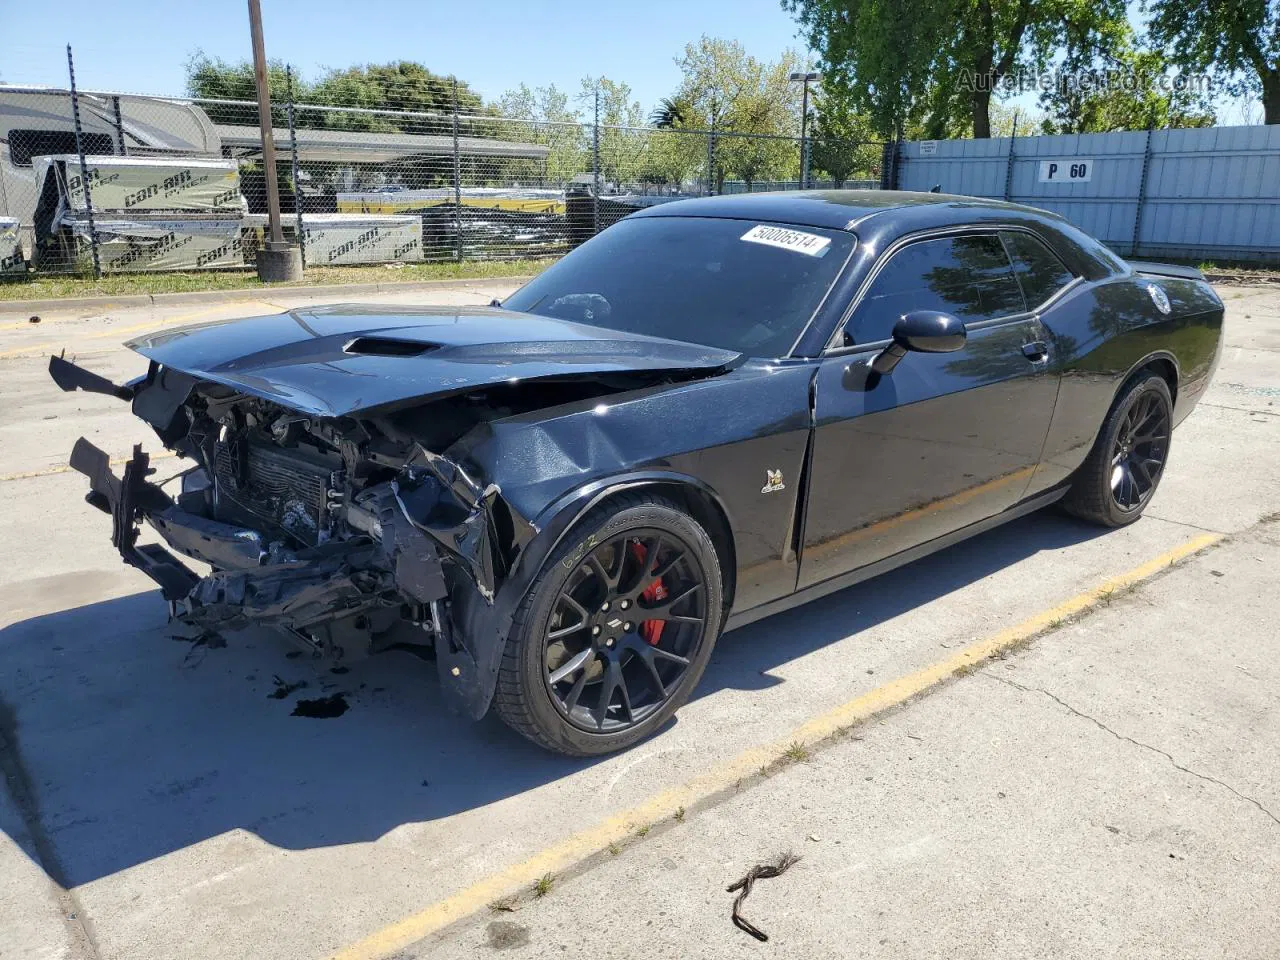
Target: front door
943,441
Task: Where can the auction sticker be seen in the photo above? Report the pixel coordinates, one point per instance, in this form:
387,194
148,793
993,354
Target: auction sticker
809,244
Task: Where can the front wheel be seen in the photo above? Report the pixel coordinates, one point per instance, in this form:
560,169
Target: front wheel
616,631
1119,478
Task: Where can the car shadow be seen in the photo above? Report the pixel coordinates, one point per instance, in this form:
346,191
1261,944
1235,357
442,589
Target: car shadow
137,744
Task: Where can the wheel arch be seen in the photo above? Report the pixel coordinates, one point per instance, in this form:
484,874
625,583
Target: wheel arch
698,499
1161,362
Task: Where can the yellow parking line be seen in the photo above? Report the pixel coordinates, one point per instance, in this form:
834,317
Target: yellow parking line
65,468
120,331
618,827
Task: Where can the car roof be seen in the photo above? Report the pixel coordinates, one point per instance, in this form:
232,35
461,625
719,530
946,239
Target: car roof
839,209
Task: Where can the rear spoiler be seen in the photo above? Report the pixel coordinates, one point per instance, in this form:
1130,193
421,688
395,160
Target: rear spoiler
1165,270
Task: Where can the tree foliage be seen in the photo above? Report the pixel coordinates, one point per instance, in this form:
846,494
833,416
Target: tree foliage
938,62
1236,38
402,85
1121,86
726,90
552,123
840,141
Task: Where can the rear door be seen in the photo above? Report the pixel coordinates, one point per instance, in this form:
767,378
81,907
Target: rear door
943,441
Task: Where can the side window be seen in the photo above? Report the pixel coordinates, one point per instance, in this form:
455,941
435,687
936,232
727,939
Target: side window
1040,273
968,276
25,144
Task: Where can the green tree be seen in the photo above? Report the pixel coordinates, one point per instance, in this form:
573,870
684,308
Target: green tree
217,79
402,85
669,114
551,122
1238,38
840,141
899,61
623,141
1122,88
728,91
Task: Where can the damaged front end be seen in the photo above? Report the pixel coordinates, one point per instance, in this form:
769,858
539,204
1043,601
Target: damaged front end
348,534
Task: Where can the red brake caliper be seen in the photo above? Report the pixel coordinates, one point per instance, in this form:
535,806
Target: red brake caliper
651,630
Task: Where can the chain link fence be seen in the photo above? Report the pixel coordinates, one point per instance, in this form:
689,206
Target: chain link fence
107,183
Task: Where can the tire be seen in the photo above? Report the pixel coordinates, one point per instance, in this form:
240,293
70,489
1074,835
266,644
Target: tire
532,702
1144,409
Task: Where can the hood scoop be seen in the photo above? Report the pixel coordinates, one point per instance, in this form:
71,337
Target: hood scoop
388,347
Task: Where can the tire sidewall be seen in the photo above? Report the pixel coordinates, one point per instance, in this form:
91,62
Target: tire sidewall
560,566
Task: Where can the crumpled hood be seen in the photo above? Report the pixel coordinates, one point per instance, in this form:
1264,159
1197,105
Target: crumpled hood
337,360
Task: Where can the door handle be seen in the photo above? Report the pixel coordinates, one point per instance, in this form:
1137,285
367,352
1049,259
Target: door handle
1037,351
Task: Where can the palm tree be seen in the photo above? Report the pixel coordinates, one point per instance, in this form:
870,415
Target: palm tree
669,113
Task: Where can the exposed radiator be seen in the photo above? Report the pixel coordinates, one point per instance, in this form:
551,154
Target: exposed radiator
285,489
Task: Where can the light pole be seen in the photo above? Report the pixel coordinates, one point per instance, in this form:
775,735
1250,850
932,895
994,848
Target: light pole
277,260
804,79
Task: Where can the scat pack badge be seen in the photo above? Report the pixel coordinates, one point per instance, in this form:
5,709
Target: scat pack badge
773,482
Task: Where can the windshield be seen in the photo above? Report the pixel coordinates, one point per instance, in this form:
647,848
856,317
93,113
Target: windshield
735,284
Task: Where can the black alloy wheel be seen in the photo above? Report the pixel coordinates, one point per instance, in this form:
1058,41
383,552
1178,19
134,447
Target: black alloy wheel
616,630
1139,452
626,626
1119,477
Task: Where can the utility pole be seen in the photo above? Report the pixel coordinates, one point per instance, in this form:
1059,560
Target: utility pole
277,260
804,79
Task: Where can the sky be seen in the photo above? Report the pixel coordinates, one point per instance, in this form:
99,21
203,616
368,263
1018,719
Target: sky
141,46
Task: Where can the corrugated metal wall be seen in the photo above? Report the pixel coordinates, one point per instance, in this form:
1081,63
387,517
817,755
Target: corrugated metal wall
1196,194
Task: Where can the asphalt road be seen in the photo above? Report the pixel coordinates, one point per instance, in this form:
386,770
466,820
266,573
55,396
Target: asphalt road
1109,788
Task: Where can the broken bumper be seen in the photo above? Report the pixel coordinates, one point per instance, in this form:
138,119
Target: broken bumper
302,592
127,499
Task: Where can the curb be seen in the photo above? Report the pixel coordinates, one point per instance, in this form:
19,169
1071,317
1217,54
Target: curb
246,293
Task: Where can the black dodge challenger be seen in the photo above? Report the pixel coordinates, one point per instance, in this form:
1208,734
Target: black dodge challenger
710,412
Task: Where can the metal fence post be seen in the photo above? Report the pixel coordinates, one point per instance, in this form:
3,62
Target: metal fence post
595,166
1142,195
297,184
1008,170
115,108
457,179
711,154
84,167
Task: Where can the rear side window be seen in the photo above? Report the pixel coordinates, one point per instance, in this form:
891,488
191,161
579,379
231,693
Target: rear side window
969,276
1039,271
25,144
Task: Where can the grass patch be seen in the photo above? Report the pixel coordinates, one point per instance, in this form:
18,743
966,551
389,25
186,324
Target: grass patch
643,829
120,285
504,905
542,886
679,815
614,849
797,752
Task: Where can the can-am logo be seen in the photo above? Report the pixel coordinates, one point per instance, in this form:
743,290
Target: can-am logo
358,243
75,184
217,253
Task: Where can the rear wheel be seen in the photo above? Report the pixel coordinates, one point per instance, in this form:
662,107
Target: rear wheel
615,632
1120,476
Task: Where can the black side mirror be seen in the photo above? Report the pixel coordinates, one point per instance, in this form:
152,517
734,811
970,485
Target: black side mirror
924,331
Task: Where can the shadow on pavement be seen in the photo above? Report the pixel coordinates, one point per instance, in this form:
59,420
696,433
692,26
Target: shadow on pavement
138,744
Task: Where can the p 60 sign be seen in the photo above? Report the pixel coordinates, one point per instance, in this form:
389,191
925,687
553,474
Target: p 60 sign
1075,170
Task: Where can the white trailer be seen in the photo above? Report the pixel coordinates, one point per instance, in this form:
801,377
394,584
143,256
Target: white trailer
37,121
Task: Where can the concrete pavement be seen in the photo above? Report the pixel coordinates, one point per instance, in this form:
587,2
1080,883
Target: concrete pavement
1111,791
186,812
